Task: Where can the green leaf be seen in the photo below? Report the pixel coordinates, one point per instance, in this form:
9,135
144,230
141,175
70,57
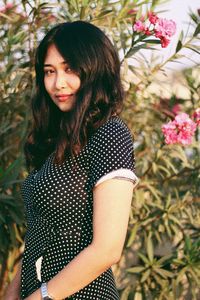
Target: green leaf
181,274
125,293
164,273
168,229
159,280
175,229
173,218
74,4
85,2
133,235
181,36
82,12
195,277
135,269
147,221
135,49
155,192
150,250
144,258
188,243
157,235
163,259
152,41
138,296
194,17
169,164
178,262
165,170
179,46
145,276
197,30
154,167
105,13
5,16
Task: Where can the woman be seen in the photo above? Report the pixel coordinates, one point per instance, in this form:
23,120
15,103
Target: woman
79,191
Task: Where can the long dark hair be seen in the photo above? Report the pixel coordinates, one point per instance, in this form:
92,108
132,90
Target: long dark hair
91,54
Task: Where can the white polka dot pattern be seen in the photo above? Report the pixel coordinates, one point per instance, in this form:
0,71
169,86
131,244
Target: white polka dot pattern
59,209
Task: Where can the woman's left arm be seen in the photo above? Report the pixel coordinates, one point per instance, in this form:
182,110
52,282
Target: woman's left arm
111,208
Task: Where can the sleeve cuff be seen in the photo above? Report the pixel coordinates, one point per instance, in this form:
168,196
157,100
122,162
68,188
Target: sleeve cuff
124,174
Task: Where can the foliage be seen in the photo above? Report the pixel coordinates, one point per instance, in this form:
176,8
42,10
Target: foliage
165,217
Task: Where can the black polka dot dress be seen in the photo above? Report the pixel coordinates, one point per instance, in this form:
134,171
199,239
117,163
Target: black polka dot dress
59,208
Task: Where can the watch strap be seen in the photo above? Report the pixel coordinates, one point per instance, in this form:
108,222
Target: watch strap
44,292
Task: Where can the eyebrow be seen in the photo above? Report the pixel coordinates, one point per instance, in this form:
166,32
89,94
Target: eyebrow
62,63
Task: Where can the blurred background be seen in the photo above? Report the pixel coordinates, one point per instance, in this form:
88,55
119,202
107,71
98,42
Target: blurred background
161,256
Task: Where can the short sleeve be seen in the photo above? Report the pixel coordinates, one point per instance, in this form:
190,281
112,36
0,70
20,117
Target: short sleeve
112,154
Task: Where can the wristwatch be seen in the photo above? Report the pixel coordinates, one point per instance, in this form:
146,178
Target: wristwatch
44,292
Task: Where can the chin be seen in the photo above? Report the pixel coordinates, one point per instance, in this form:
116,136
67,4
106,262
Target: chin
65,106
65,109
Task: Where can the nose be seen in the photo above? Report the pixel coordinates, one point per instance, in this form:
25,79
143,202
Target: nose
60,81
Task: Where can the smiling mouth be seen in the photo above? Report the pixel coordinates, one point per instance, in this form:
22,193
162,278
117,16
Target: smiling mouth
62,98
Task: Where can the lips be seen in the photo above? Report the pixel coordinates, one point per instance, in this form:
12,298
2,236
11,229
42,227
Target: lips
63,97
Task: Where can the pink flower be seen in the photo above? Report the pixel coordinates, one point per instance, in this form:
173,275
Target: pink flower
181,130
147,31
153,18
132,12
161,28
196,116
9,5
139,26
169,131
176,109
165,28
142,18
2,9
5,8
164,42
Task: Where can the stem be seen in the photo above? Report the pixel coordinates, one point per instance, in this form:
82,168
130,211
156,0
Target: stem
154,160
173,55
185,170
158,67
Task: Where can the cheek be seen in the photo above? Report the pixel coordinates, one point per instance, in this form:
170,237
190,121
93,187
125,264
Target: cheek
75,82
47,84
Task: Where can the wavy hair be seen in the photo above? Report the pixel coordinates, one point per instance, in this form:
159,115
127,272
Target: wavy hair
90,53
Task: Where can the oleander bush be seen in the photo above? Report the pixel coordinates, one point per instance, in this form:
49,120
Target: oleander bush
161,257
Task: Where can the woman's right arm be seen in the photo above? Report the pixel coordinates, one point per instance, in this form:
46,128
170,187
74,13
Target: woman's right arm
13,290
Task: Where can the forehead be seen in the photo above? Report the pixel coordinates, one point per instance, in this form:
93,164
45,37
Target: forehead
53,56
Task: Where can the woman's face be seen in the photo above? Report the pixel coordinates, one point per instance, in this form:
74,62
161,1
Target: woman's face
60,81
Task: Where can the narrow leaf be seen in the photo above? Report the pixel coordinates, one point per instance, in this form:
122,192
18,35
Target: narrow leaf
133,235
197,30
144,258
150,250
179,46
135,269
145,275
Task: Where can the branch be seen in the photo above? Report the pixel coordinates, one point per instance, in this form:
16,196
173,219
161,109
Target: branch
185,170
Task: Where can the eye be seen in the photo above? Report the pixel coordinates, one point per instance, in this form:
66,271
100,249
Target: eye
68,70
48,72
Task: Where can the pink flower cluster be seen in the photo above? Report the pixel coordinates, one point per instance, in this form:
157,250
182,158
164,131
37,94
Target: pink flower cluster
159,27
196,116
5,8
180,131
